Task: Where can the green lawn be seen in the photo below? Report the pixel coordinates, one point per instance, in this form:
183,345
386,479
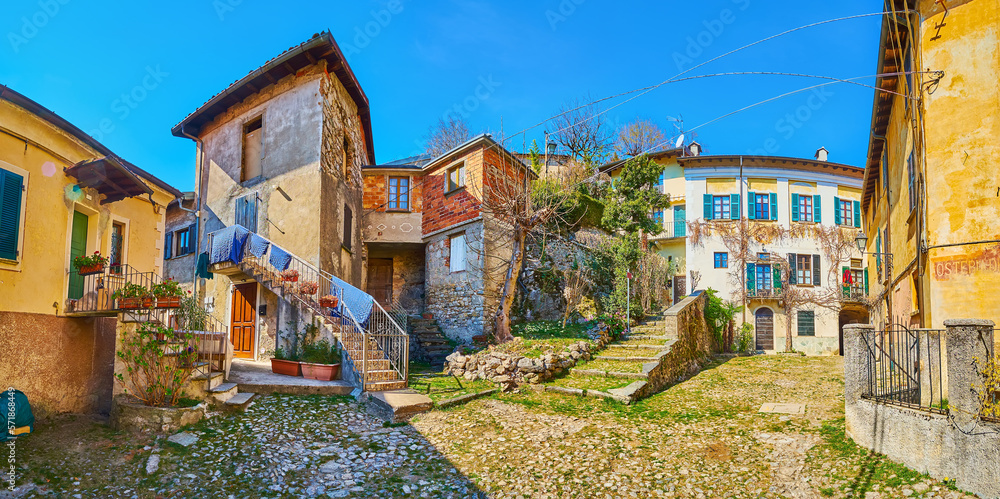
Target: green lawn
440,386
540,337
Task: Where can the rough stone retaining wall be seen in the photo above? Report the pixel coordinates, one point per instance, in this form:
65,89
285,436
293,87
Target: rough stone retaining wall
509,369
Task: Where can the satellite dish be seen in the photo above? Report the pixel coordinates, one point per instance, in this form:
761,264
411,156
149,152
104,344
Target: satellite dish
680,141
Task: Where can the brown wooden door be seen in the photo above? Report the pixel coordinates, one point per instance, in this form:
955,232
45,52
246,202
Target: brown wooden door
244,320
764,325
380,280
680,284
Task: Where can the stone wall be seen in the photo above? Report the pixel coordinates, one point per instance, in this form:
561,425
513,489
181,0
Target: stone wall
957,445
542,296
456,299
694,345
408,274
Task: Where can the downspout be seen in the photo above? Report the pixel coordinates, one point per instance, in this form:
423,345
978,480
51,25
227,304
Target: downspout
198,206
743,271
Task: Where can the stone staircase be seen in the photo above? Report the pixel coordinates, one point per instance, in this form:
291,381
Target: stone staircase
629,358
206,384
430,344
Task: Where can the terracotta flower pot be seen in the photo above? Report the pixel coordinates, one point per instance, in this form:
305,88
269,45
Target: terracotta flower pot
130,303
91,269
320,372
168,302
148,302
329,301
286,367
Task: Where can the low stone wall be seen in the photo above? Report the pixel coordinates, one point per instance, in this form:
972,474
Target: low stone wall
957,445
509,369
128,415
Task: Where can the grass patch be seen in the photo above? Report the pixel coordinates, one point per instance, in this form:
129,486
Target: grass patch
544,330
440,386
591,382
612,365
611,351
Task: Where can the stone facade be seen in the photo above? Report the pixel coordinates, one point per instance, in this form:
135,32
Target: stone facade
456,300
180,267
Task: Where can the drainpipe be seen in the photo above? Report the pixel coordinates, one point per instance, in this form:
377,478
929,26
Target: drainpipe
198,206
743,271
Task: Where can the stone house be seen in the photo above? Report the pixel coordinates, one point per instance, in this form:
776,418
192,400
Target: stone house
63,195
930,195
179,255
279,152
434,248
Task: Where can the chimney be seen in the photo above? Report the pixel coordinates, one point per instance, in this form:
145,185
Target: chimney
821,154
694,148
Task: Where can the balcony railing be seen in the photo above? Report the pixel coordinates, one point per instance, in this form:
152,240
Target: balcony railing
97,291
853,294
672,229
763,294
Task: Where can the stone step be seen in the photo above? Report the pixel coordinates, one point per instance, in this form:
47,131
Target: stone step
397,405
638,346
212,380
432,341
240,401
608,374
382,386
382,375
616,351
626,359
223,392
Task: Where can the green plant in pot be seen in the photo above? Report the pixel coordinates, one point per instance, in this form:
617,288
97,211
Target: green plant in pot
90,264
285,360
168,294
321,360
132,296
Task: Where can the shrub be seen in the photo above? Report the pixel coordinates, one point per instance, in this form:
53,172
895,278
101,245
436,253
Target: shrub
321,352
151,374
744,338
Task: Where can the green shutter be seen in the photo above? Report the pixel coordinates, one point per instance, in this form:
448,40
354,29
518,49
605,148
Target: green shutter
795,207
857,214
751,198
734,206
11,186
708,206
776,274
866,281
168,244
817,209
792,269
193,237
836,211
816,274
878,250
846,288
774,206
751,277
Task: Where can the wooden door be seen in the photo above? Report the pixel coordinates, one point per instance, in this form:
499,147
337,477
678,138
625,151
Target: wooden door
243,325
764,325
680,284
77,247
380,280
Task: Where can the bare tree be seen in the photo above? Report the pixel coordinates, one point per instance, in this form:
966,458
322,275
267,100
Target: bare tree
582,129
640,136
446,135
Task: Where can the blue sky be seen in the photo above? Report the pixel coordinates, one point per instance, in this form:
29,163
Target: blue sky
510,63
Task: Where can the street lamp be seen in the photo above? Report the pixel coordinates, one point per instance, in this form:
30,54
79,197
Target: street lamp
861,241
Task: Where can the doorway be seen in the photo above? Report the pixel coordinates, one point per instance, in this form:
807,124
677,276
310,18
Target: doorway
77,247
764,325
849,317
244,320
680,284
380,280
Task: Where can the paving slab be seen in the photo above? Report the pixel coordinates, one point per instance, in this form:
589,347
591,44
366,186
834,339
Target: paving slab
780,408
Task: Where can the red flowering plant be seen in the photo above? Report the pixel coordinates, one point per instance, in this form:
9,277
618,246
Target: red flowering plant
94,260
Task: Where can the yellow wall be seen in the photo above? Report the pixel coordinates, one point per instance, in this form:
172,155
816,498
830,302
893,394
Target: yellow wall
721,186
762,185
802,187
38,281
848,193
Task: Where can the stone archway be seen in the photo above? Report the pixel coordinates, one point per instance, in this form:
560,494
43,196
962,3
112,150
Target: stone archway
849,317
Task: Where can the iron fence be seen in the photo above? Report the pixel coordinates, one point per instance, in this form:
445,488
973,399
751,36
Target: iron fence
905,367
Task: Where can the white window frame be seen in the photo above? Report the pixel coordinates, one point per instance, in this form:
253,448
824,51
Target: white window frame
458,246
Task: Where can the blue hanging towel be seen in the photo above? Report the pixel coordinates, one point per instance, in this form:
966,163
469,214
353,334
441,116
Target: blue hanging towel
358,302
227,244
258,245
279,258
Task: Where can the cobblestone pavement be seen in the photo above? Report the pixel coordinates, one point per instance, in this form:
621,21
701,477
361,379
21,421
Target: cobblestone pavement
702,438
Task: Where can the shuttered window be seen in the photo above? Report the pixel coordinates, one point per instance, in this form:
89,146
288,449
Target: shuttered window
246,212
805,208
11,196
762,206
807,323
457,255
721,208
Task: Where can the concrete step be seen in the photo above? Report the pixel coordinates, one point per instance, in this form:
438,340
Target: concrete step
396,406
375,365
382,386
240,401
211,380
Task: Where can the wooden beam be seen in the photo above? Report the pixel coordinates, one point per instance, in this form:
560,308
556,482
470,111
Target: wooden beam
312,60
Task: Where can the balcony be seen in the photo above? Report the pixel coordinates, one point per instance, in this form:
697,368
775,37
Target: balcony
93,294
672,230
762,294
853,294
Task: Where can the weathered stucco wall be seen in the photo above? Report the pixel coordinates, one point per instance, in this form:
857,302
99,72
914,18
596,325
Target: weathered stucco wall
408,274
180,268
61,364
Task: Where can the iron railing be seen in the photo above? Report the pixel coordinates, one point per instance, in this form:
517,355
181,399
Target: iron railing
853,293
376,347
97,291
904,367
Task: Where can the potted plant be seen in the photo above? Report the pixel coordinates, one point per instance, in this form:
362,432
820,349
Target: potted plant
168,294
290,275
321,361
90,264
285,362
132,296
308,288
329,301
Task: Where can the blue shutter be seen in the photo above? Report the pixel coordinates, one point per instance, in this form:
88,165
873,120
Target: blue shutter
192,237
816,274
708,206
857,214
751,277
11,186
734,206
750,200
817,209
836,211
795,207
168,244
774,206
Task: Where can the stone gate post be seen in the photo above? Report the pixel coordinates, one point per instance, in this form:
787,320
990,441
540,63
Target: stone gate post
966,340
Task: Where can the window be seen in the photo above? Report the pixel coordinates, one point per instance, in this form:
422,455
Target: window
722,260
805,208
911,172
11,197
348,225
845,212
246,212
803,269
457,255
399,193
807,323
253,148
117,257
659,182
456,177
721,208
764,277
180,242
657,217
762,206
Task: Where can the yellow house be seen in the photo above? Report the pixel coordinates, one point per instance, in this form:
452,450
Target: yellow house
931,199
62,195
